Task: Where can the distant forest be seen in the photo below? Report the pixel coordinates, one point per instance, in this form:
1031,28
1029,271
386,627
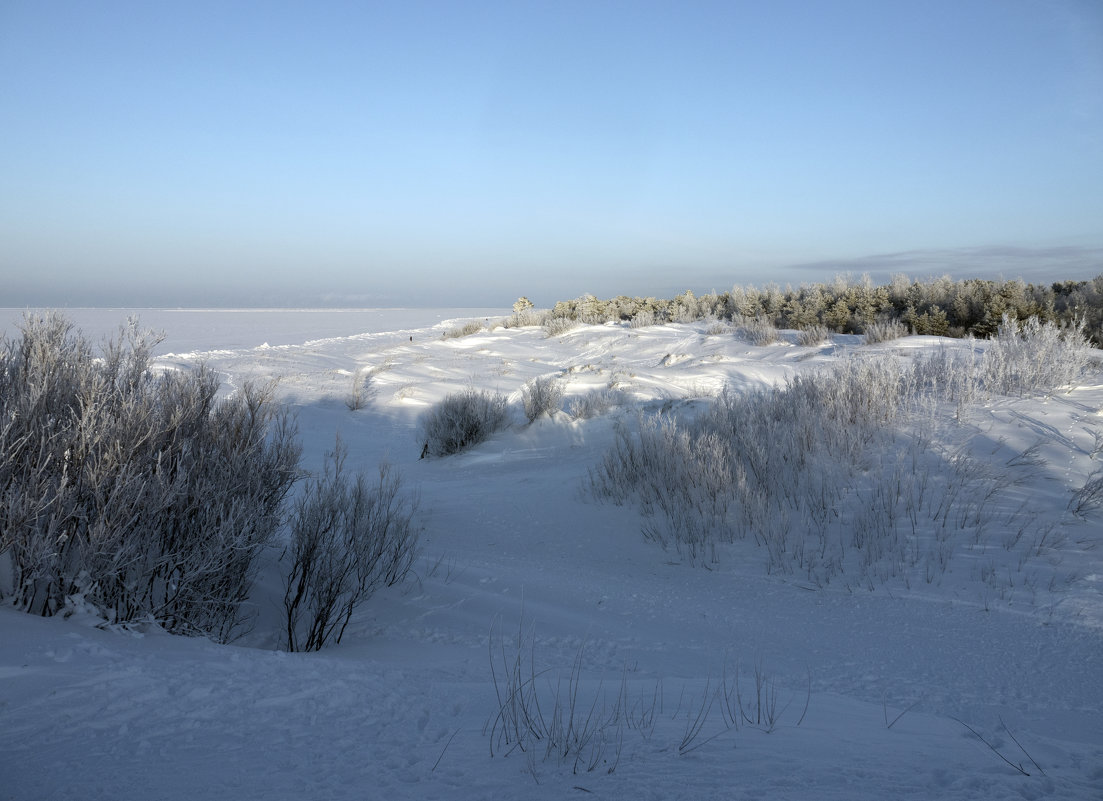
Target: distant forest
941,306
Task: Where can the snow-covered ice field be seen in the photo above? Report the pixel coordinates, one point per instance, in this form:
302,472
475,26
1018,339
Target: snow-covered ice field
909,690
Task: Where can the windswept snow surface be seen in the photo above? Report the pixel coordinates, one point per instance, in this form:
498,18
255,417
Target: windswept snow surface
876,690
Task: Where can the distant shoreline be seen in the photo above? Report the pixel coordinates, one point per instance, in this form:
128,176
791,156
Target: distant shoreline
193,329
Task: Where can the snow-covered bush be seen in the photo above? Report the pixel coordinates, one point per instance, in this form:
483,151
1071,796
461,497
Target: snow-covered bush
1030,355
542,396
842,474
361,390
759,330
142,493
349,537
884,331
595,403
460,420
465,330
557,326
812,335
681,478
525,317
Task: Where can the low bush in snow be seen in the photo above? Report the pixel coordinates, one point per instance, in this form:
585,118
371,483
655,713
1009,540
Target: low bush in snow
465,330
595,403
361,390
526,317
460,420
837,474
1027,356
759,330
813,335
884,331
349,536
142,493
542,396
557,326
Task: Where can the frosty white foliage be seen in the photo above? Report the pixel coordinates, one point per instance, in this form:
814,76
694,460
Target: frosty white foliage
557,326
542,396
1028,356
348,538
596,402
525,317
465,330
361,390
758,330
884,331
143,494
462,419
813,335
814,474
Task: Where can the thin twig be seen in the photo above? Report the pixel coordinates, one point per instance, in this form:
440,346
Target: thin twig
992,747
1028,756
808,699
895,719
457,731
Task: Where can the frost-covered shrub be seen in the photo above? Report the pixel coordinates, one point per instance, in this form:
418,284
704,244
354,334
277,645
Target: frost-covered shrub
542,396
836,475
682,477
1030,355
953,375
754,460
557,326
526,317
361,390
349,537
460,420
465,330
812,335
595,403
140,492
759,330
884,331
643,319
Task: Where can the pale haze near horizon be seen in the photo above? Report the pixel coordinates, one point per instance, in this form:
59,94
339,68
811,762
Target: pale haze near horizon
434,153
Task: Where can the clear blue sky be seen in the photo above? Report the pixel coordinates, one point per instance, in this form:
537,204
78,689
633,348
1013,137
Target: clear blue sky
396,153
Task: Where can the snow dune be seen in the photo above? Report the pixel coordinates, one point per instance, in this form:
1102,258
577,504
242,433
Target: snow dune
991,665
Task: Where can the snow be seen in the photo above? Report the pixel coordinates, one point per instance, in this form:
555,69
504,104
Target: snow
512,547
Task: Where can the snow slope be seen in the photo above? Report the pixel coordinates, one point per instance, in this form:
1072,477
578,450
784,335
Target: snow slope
1010,643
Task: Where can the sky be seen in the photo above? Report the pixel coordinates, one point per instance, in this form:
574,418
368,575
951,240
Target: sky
465,153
